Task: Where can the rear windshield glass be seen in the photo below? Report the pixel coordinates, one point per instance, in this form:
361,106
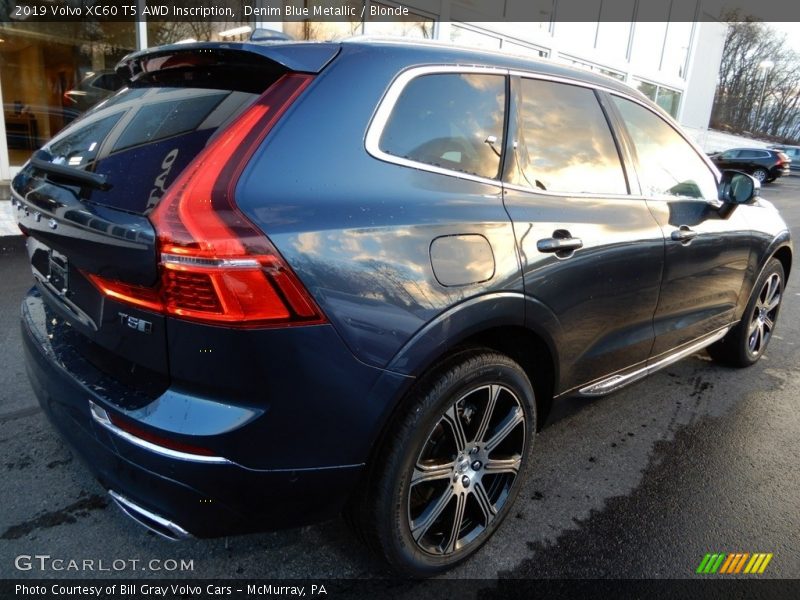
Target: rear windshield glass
141,138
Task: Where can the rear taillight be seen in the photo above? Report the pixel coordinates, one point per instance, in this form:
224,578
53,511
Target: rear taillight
216,266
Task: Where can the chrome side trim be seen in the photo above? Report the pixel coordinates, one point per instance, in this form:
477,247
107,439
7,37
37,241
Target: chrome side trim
155,523
620,380
101,417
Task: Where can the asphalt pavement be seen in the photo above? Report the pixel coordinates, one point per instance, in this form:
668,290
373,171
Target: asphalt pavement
643,483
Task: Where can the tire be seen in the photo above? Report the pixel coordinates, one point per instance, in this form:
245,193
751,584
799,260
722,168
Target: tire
760,174
771,179
748,340
458,453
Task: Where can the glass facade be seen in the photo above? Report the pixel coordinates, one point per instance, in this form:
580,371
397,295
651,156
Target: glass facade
51,72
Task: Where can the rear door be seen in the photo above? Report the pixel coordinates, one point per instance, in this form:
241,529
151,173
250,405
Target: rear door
706,254
83,199
590,251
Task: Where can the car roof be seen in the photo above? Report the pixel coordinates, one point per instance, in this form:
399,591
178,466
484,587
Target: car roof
312,56
432,51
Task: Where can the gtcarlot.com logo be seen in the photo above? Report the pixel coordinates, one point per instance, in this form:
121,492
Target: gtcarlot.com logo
734,563
45,562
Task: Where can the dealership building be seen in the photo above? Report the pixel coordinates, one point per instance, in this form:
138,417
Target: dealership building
49,72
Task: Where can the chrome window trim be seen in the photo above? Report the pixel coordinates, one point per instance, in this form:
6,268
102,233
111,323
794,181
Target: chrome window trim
397,86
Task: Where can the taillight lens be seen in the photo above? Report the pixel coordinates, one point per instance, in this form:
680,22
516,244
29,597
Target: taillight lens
216,266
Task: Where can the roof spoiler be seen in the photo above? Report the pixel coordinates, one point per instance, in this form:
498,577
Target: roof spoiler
292,56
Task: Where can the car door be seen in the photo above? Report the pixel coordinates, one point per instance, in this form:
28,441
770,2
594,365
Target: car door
706,253
590,252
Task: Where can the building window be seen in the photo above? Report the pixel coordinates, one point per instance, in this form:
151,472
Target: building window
666,98
52,72
474,39
412,25
582,64
524,49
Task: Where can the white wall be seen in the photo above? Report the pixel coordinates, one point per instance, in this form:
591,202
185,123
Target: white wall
703,72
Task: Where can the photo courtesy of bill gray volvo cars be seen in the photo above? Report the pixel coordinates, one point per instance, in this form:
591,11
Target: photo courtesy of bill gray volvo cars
279,282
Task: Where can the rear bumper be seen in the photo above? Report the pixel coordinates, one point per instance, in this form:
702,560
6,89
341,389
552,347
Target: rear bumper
200,499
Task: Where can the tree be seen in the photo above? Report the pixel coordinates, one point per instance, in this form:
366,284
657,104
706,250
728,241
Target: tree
749,97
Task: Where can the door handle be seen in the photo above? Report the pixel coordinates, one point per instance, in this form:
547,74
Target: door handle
684,234
559,244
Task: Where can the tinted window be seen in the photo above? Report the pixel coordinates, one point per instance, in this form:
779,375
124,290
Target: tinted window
729,154
667,164
110,81
165,119
564,143
753,154
79,145
448,120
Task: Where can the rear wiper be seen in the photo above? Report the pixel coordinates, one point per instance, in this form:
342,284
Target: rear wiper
71,174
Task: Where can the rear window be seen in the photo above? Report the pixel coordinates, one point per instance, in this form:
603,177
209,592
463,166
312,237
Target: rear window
449,120
146,134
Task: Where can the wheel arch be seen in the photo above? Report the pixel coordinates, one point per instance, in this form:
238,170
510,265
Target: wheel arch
510,323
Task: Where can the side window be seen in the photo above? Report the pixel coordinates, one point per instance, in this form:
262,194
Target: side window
564,143
729,154
667,164
449,120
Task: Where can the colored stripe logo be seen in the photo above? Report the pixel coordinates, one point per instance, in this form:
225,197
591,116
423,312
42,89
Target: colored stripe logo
734,563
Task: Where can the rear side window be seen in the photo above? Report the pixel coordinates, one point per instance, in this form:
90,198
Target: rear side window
166,118
563,142
667,165
449,120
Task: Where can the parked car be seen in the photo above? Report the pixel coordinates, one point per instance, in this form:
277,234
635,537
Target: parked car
94,87
793,152
275,282
764,164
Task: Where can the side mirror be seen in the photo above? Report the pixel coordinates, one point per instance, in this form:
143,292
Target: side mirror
736,187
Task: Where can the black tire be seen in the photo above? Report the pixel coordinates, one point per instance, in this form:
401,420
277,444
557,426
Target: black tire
748,340
421,471
761,175
771,179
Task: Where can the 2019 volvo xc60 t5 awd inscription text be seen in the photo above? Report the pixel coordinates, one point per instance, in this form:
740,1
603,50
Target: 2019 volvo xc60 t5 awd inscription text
275,282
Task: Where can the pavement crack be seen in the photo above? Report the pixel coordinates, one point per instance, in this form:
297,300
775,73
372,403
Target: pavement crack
46,520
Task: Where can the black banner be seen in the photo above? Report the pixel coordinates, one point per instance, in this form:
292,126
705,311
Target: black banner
438,589
35,11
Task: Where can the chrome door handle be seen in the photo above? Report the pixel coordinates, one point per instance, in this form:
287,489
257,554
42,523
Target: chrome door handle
684,234
555,244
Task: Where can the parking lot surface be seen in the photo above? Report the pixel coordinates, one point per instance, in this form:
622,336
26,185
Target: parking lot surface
643,483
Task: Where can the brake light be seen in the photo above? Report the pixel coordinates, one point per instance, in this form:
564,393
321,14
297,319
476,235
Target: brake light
216,266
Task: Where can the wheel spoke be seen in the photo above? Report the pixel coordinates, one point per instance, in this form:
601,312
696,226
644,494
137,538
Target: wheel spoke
768,324
494,392
425,473
514,418
752,329
486,506
506,465
453,420
772,289
458,520
422,524
773,303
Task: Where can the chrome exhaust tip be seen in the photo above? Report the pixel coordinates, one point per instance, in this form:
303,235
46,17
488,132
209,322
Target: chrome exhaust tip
159,525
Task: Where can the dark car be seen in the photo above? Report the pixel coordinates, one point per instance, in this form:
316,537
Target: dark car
94,87
764,164
793,152
277,282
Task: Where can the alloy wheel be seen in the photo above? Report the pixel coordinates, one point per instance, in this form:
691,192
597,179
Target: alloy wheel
464,473
762,321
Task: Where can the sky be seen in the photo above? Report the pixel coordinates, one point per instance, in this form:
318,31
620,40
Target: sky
792,29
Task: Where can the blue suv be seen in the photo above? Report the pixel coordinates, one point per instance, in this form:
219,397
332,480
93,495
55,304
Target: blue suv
275,282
